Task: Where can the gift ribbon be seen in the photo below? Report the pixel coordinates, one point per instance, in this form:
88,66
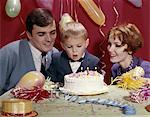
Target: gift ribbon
17,114
36,94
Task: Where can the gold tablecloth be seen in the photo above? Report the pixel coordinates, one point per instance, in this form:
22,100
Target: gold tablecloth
62,108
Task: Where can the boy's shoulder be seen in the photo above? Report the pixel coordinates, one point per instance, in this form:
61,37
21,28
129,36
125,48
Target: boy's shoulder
89,55
58,54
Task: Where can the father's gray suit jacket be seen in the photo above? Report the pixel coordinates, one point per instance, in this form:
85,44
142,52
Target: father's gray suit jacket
15,61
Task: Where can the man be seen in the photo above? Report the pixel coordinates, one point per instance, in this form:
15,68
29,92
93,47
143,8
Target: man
22,56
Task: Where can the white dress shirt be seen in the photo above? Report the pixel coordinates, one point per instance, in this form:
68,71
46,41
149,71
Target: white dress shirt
36,57
75,65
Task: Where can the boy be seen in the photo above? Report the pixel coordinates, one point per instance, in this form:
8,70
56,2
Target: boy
74,57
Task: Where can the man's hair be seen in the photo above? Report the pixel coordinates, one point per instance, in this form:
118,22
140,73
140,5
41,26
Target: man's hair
128,34
40,17
73,30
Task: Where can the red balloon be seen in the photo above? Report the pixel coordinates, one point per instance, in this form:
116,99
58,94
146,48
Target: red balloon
45,3
32,79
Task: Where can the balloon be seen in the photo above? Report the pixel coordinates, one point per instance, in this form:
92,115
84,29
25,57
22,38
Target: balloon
13,7
136,3
93,11
45,3
32,79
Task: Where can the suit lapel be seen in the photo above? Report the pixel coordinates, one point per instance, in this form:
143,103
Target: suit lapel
84,63
25,51
65,63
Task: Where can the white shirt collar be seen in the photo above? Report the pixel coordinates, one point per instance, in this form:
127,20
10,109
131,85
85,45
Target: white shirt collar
81,57
34,50
75,65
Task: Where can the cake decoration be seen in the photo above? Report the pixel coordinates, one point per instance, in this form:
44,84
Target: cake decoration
84,83
87,70
131,80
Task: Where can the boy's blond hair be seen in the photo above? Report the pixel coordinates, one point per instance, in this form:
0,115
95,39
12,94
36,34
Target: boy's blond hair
73,30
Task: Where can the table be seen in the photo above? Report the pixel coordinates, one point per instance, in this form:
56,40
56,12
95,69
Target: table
62,108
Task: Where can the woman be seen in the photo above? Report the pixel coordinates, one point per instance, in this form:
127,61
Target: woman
123,42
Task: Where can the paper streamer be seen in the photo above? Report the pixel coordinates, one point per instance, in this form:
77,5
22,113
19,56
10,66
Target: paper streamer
116,12
126,108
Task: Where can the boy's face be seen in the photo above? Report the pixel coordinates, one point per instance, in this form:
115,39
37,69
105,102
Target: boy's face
43,38
75,47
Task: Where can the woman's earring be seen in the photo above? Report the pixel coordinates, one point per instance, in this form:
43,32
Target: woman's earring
130,53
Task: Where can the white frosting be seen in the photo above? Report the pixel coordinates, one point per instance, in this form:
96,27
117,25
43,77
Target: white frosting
85,84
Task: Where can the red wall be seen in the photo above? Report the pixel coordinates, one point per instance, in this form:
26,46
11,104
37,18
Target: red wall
11,28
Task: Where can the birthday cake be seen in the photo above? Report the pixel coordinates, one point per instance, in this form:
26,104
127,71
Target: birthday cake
84,83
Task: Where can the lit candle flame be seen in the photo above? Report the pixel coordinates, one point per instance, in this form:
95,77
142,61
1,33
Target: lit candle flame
81,69
87,69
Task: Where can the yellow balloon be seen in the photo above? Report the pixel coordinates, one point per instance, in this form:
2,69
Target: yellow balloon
93,11
32,79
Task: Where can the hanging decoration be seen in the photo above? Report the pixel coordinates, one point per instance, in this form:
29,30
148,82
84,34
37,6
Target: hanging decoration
24,25
93,11
136,3
62,7
116,12
46,4
76,4
13,8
